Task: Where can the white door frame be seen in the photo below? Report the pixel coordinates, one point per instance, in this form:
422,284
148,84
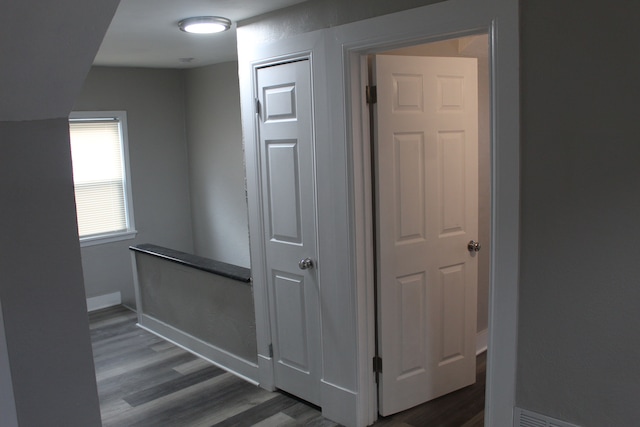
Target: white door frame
448,19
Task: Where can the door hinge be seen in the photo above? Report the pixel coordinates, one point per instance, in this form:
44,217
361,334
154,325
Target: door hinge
372,94
257,106
377,367
270,350
377,364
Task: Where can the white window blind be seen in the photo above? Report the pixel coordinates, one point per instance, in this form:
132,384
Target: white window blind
99,174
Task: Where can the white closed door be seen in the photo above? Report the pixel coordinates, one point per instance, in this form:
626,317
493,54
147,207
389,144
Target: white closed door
427,203
289,220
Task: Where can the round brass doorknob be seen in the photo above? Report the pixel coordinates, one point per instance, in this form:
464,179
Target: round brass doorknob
473,246
305,264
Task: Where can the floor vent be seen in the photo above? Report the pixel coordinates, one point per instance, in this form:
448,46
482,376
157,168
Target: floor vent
526,418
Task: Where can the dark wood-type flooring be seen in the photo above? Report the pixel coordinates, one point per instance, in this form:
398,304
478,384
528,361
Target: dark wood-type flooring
145,381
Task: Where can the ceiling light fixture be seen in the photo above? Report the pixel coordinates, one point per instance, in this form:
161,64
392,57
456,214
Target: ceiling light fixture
204,24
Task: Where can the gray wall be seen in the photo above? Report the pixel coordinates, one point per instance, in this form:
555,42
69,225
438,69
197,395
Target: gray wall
579,321
216,166
579,289
45,323
154,101
479,49
43,305
212,308
317,14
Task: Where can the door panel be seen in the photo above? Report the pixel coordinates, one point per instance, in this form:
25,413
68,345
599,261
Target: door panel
426,180
283,186
289,215
410,195
413,301
291,321
451,194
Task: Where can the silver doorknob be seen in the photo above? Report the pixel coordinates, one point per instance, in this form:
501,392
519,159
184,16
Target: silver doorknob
474,246
305,264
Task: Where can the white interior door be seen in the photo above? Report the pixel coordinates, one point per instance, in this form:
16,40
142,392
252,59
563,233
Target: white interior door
426,178
288,192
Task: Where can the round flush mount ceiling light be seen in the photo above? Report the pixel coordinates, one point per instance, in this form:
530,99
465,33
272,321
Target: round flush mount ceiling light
204,24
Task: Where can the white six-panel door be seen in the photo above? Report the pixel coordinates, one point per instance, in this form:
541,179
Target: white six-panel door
426,179
289,214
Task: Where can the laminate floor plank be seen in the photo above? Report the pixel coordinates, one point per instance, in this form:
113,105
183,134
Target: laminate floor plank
277,420
171,386
186,409
122,344
258,413
191,366
162,411
476,421
233,409
120,386
307,416
129,364
145,381
111,412
112,315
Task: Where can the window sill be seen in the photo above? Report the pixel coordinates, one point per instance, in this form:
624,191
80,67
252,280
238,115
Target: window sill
107,238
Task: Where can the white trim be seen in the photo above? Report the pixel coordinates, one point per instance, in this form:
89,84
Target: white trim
482,338
217,356
265,372
104,301
7,399
136,284
107,238
247,69
338,404
251,57
444,20
524,418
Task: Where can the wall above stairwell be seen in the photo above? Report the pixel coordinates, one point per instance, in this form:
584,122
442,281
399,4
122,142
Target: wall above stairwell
154,101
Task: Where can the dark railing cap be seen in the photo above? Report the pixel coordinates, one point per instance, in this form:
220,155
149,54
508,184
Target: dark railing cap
220,268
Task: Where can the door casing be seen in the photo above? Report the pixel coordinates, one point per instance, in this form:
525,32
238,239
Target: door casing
449,19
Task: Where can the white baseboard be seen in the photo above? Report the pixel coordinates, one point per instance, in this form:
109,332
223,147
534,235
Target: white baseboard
242,368
482,341
338,404
103,301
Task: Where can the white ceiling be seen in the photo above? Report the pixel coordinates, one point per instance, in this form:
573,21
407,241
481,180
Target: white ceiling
144,33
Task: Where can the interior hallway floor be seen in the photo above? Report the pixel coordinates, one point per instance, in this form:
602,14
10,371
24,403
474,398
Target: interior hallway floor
145,381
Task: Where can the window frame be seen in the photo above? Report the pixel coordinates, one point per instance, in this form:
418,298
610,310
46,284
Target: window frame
130,232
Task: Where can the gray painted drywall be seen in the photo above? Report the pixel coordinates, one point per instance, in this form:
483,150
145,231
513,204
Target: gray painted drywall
216,165
47,50
154,101
209,307
41,291
579,320
479,49
319,14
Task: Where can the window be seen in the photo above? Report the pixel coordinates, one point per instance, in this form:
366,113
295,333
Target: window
100,175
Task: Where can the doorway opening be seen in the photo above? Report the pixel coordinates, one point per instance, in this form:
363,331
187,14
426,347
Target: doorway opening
413,358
